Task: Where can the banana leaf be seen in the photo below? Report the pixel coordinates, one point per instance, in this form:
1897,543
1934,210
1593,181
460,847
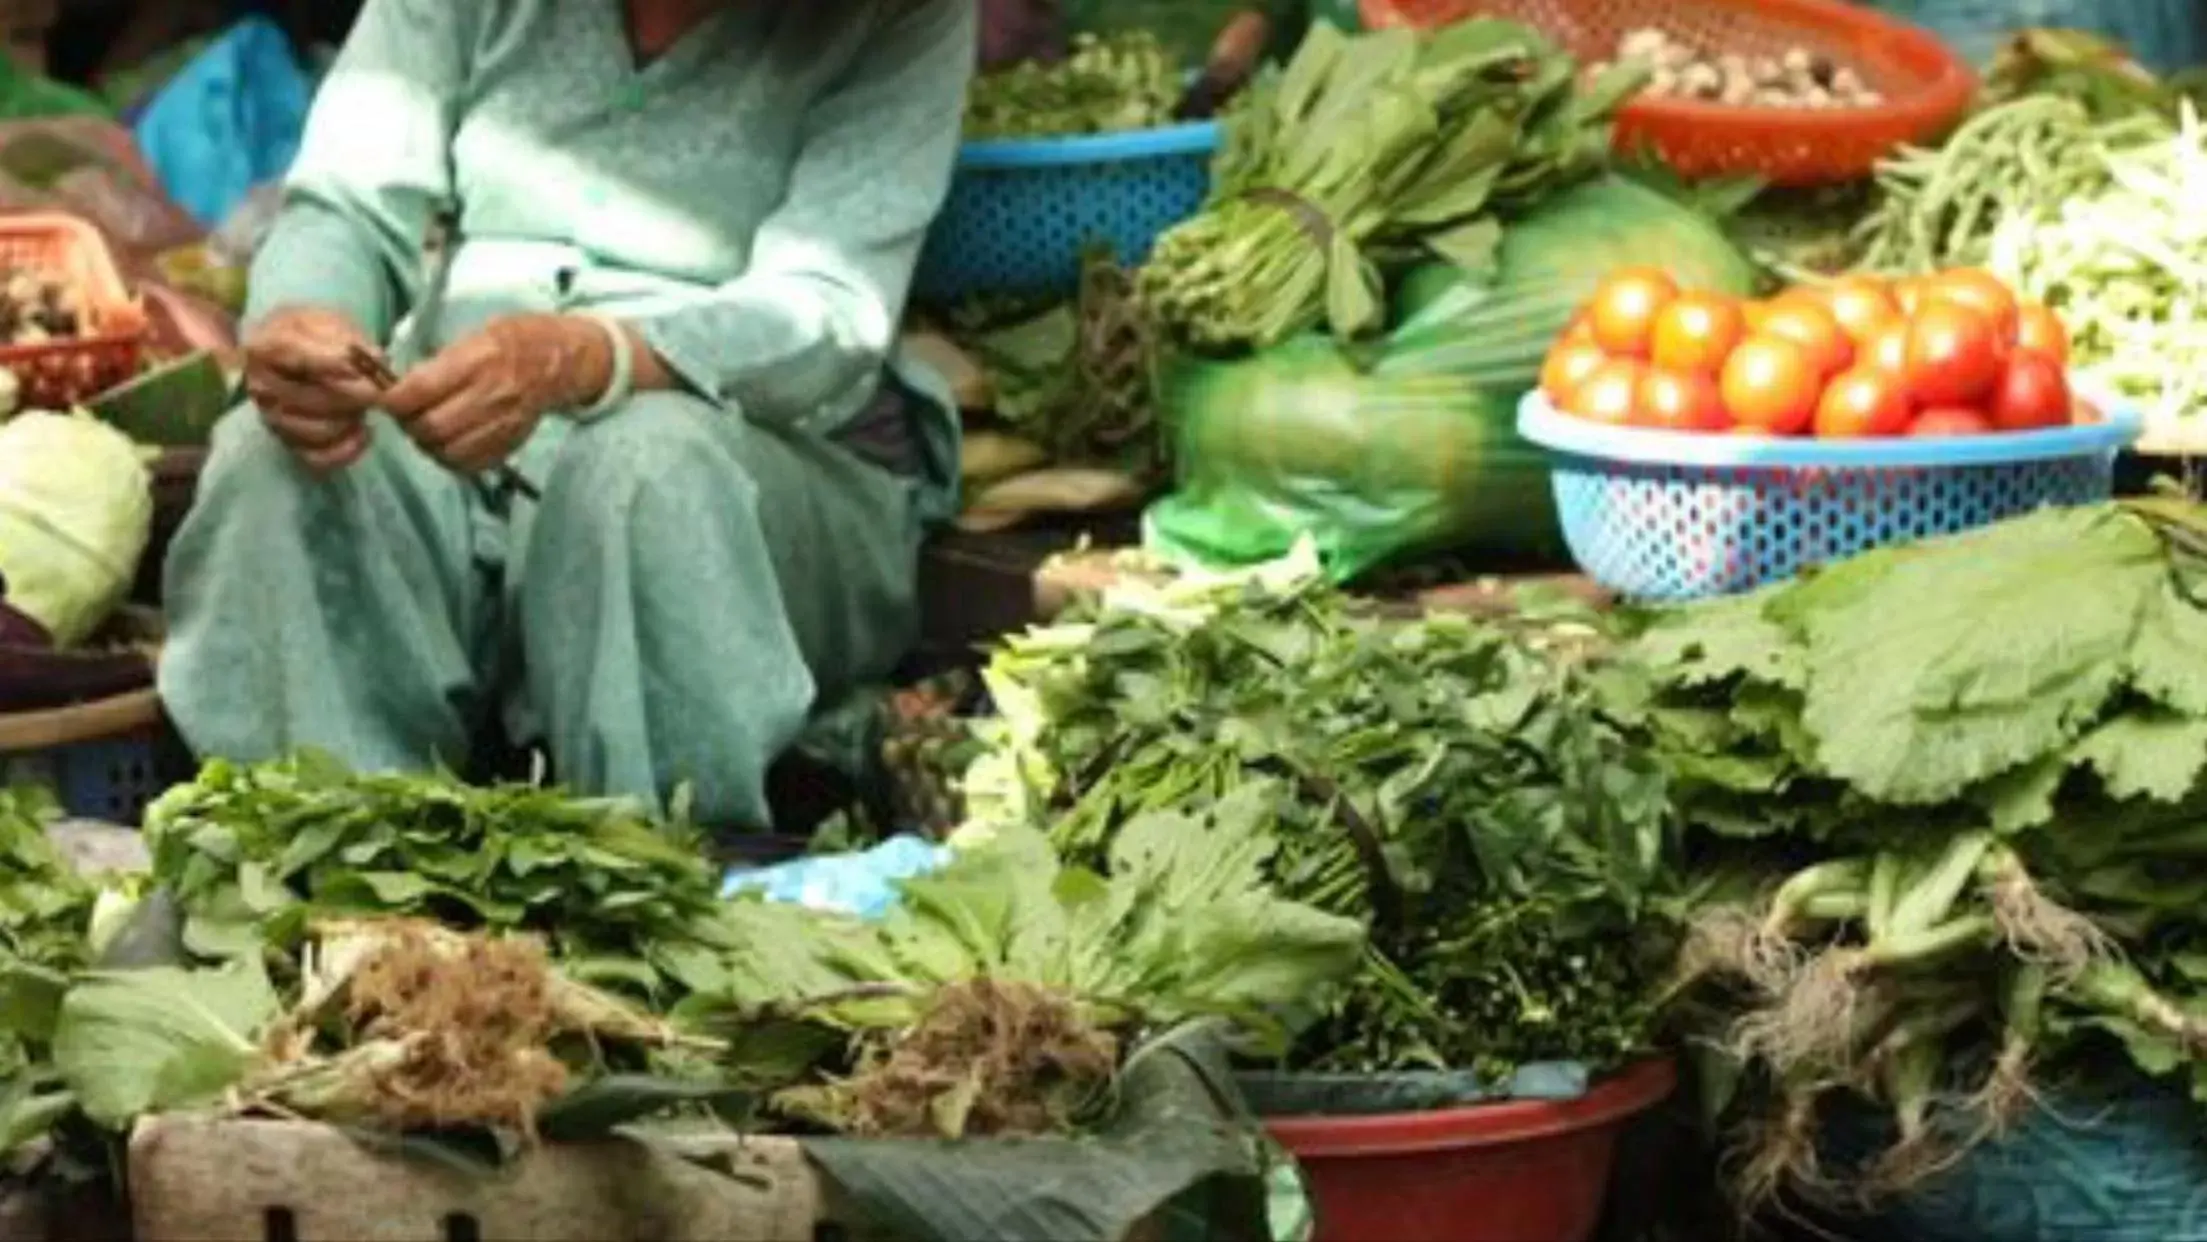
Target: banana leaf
1180,1150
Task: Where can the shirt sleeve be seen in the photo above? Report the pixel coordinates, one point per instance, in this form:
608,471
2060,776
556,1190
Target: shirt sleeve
803,332
373,164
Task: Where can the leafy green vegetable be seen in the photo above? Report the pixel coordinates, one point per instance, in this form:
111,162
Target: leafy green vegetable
139,1041
1945,800
1078,378
45,912
1367,148
253,853
1447,779
1181,927
1107,83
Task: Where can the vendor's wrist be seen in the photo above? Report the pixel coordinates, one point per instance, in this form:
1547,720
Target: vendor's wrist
611,366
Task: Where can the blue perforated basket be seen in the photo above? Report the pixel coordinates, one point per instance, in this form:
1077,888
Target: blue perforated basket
1022,212
1676,515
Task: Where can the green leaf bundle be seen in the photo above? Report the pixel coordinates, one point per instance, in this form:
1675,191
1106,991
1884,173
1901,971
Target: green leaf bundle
1945,804
1366,148
253,853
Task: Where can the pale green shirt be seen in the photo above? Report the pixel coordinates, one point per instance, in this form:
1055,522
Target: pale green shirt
754,198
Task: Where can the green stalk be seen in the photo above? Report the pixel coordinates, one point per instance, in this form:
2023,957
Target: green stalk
1930,899
1843,880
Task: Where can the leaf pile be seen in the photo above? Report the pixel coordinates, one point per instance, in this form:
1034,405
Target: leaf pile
1451,781
1181,928
45,916
1367,150
254,853
1078,379
1107,83
1945,802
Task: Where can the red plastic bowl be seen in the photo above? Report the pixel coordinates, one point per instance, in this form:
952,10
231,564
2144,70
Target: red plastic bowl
1927,88
1518,1172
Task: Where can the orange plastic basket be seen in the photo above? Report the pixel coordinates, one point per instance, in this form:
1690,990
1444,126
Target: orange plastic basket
1926,87
60,373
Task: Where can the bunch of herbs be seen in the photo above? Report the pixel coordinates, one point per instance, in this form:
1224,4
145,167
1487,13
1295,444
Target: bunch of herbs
1369,149
1452,781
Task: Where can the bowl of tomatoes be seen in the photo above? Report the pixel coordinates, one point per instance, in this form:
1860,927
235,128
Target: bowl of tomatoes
1703,444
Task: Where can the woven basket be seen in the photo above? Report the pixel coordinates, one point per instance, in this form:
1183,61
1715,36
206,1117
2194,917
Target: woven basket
63,373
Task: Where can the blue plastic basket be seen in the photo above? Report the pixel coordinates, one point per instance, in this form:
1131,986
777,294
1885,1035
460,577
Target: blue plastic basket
2163,35
1676,515
111,780
1021,212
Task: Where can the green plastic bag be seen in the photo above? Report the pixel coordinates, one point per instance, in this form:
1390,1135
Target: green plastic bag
1411,447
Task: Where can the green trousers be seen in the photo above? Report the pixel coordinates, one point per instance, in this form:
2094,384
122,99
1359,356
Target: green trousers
689,587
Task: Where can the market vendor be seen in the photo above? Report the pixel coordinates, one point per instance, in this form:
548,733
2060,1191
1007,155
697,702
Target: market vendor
685,232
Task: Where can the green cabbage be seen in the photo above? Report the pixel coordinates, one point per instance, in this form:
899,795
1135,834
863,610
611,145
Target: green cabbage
76,510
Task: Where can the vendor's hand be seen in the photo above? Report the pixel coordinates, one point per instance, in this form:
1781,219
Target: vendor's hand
476,403
299,373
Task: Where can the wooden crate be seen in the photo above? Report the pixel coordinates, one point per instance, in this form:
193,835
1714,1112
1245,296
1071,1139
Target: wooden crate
198,1178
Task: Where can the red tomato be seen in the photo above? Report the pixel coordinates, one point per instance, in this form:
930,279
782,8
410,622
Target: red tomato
1860,306
1625,306
1982,292
2032,392
1772,384
1887,351
1566,368
1681,401
1907,293
2041,330
1814,329
1863,402
1611,394
1949,420
1695,332
1954,354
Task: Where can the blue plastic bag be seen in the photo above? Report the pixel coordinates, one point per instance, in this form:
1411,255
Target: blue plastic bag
862,884
229,121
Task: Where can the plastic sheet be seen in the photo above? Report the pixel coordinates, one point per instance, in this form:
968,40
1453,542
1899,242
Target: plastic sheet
861,884
230,121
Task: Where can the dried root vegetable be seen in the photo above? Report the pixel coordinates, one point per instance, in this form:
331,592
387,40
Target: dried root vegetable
410,1025
988,1059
